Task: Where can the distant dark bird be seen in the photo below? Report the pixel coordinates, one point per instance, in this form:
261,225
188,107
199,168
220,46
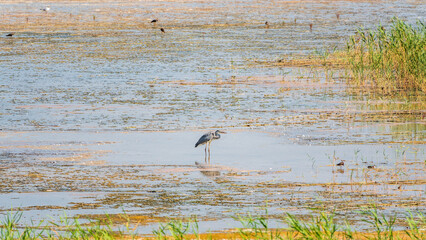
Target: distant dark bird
341,163
10,34
207,139
338,16
371,166
154,21
46,9
310,26
266,24
162,30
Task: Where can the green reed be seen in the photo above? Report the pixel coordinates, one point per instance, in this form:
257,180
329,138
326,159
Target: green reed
320,227
66,228
389,61
177,229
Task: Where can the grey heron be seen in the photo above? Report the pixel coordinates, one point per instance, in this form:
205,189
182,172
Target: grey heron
207,139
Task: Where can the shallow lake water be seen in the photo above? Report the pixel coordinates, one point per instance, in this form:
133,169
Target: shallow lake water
100,111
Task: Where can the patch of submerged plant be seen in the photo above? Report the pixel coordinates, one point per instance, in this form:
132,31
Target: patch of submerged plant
122,218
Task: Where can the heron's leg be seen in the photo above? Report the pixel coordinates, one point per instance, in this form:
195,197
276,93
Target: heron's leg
205,154
209,151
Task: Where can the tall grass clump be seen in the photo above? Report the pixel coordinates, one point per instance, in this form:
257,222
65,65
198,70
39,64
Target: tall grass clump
71,228
389,61
416,225
322,227
9,229
257,228
383,226
67,228
177,229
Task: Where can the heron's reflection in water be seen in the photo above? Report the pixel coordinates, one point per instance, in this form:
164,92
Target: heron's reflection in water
208,170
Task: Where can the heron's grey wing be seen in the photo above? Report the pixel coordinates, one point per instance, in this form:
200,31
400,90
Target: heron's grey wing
203,139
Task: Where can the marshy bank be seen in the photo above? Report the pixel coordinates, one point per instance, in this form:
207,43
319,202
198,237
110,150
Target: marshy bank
320,226
100,111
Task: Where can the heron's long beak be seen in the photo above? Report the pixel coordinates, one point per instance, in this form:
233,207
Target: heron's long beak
221,131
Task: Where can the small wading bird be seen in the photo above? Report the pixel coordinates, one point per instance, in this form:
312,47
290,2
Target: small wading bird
162,30
46,9
207,139
10,34
154,21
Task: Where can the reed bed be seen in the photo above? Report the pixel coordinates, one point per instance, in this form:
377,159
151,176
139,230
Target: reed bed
389,61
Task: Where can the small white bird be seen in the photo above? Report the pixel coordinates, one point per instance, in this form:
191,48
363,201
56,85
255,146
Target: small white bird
46,9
